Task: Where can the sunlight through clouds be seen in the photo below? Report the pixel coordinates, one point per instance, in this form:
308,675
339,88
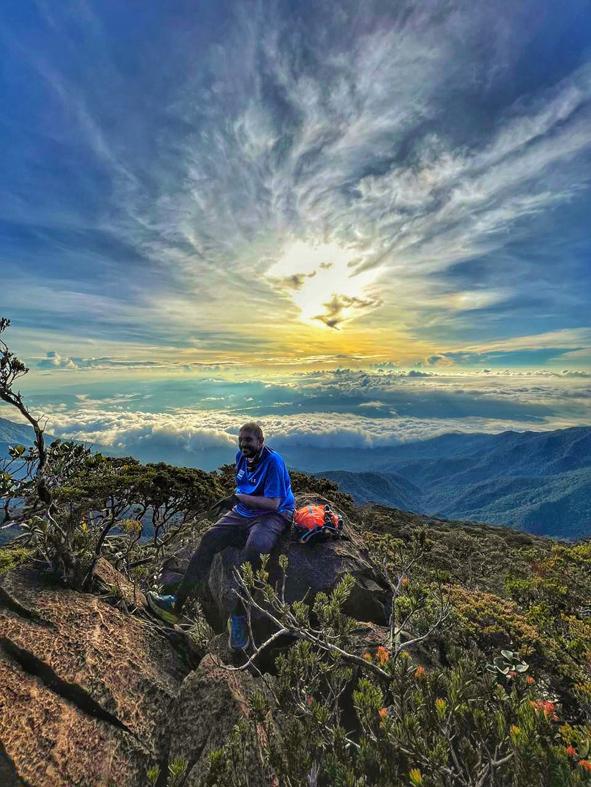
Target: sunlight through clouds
400,181
323,281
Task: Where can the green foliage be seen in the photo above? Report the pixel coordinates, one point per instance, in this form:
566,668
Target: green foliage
489,622
177,771
74,505
508,705
508,664
10,557
327,719
102,505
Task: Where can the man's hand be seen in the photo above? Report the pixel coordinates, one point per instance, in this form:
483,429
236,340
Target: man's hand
221,507
259,502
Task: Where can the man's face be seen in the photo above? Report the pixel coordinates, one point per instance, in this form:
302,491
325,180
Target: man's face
249,444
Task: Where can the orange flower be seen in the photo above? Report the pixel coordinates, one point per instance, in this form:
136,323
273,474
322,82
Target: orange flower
420,672
586,765
571,751
515,733
404,582
512,674
548,708
530,681
382,655
367,656
383,713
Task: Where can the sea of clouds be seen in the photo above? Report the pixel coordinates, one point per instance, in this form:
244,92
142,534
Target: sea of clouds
196,421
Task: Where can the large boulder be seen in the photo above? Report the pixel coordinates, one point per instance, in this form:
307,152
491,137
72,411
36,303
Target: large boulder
86,690
211,701
312,568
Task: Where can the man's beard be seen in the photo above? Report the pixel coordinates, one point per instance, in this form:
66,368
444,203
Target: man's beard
253,456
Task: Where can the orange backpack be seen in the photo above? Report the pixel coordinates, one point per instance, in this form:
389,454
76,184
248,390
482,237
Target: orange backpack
317,522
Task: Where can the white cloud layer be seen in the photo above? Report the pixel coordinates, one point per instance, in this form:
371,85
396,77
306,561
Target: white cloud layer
328,410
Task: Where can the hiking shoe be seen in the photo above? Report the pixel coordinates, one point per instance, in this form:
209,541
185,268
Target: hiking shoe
238,632
163,606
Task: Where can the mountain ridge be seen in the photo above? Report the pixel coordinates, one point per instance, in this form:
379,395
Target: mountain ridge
539,481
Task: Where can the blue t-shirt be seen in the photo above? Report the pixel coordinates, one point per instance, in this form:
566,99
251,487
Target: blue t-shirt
269,479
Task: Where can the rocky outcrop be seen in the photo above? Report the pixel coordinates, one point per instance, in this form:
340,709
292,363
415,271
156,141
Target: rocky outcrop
312,568
211,701
50,740
94,692
86,690
125,594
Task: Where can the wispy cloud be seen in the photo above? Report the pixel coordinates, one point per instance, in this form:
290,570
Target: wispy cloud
415,180
55,361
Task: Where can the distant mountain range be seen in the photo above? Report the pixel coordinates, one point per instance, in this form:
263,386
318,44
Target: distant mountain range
11,434
537,481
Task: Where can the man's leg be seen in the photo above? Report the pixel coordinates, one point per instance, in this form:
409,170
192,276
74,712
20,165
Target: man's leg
229,531
263,535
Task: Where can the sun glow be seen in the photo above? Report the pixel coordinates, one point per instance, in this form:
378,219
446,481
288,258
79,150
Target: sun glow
326,282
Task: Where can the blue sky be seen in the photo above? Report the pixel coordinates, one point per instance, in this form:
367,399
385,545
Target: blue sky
253,190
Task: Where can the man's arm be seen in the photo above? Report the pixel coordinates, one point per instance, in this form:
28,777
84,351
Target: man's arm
259,502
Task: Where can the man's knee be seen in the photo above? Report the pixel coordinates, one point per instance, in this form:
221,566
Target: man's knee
211,536
258,546
263,540
212,541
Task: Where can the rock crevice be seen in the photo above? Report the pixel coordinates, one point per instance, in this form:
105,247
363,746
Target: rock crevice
68,691
13,605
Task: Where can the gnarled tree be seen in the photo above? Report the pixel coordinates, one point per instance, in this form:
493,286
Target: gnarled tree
74,506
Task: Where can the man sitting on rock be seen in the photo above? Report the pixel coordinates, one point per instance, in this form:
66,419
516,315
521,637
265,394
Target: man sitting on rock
261,509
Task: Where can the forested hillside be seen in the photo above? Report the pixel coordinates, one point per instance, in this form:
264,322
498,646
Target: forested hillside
537,481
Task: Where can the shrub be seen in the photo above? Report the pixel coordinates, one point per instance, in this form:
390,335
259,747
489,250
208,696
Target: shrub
332,718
